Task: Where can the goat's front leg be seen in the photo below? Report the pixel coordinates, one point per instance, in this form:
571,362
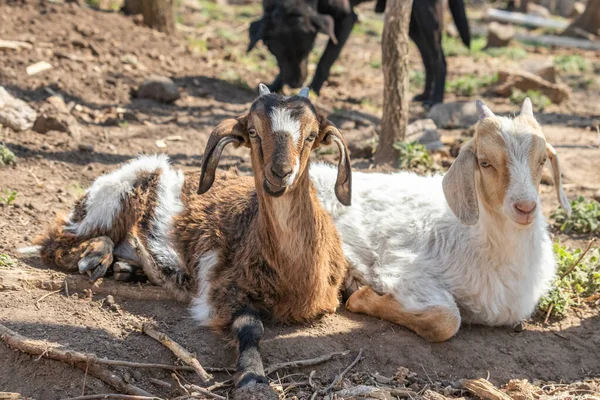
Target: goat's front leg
343,28
250,379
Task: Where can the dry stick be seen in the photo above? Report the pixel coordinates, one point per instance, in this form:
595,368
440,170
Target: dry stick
337,380
548,313
37,302
80,360
178,350
572,267
484,389
206,392
160,383
303,363
113,396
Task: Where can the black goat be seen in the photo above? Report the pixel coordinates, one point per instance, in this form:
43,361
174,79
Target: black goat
289,28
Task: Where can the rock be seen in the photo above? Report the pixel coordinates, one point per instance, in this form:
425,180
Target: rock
159,88
55,116
499,35
15,113
257,391
597,196
36,68
542,68
538,10
85,147
524,81
578,8
457,115
424,131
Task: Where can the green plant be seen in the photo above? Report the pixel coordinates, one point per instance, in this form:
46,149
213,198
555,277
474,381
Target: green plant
572,64
584,218
6,261
468,85
6,156
369,26
453,46
539,100
416,78
10,196
512,53
375,64
577,278
414,156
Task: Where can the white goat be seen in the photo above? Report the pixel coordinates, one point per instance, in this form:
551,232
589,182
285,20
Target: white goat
472,244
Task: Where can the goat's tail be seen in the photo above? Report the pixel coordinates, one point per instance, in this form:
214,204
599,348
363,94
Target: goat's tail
459,15
128,212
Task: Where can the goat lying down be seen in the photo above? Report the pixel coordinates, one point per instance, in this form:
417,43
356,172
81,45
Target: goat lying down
248,249
471,245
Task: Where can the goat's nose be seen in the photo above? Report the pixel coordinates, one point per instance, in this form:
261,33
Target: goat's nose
525,206
281,171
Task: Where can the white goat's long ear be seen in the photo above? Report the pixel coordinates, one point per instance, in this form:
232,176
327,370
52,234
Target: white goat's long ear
328,133
232,130
483,110
560,193
459,186
527,107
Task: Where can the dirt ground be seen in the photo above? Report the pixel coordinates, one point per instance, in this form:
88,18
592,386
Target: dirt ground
98,58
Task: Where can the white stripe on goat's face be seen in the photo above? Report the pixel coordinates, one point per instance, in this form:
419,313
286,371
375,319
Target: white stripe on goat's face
283,121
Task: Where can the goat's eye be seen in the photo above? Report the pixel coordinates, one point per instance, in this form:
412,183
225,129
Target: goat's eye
485,164
252,132
311,137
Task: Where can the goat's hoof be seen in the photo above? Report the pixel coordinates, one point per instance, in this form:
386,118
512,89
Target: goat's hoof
421,97
123,271
256,391
96,258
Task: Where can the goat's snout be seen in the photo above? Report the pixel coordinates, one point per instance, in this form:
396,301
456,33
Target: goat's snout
525,206
282,171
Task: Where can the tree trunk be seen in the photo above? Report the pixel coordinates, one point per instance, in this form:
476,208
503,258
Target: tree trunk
133,7
159,15
589,21
394,57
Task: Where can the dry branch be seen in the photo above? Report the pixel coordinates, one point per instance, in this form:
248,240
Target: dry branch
17,279
178,350
338,379
206,392
113,396
303,363
576,263
484,389
80,360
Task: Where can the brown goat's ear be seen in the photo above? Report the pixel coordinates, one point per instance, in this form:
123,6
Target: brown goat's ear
328,133
459,186
560,193
326,25
232,130
256,32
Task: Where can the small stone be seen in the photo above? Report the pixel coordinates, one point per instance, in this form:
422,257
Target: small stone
519,327
15,113
456,115
543,68
85,147
137,375
538,10
159,88
110,300
499,35
36,68
424,131
55,116
508,80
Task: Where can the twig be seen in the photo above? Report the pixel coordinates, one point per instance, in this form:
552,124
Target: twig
37,302
84,379
179,385
337,380
572,267
160,383
218,385
548,313
80,360
303,363
67,289
113,396
310,379
178,350
484,389
195,388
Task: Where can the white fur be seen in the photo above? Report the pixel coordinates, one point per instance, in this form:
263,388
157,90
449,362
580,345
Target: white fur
400,236
31,250
282,121
201,308
104,197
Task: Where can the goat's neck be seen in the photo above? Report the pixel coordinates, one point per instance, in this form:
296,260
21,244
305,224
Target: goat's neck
288,223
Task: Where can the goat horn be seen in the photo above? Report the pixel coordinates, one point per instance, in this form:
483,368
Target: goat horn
483,110
304,92
263,89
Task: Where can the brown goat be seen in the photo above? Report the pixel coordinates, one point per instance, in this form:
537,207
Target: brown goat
250,248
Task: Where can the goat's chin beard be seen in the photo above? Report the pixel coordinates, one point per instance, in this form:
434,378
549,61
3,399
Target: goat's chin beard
273,190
